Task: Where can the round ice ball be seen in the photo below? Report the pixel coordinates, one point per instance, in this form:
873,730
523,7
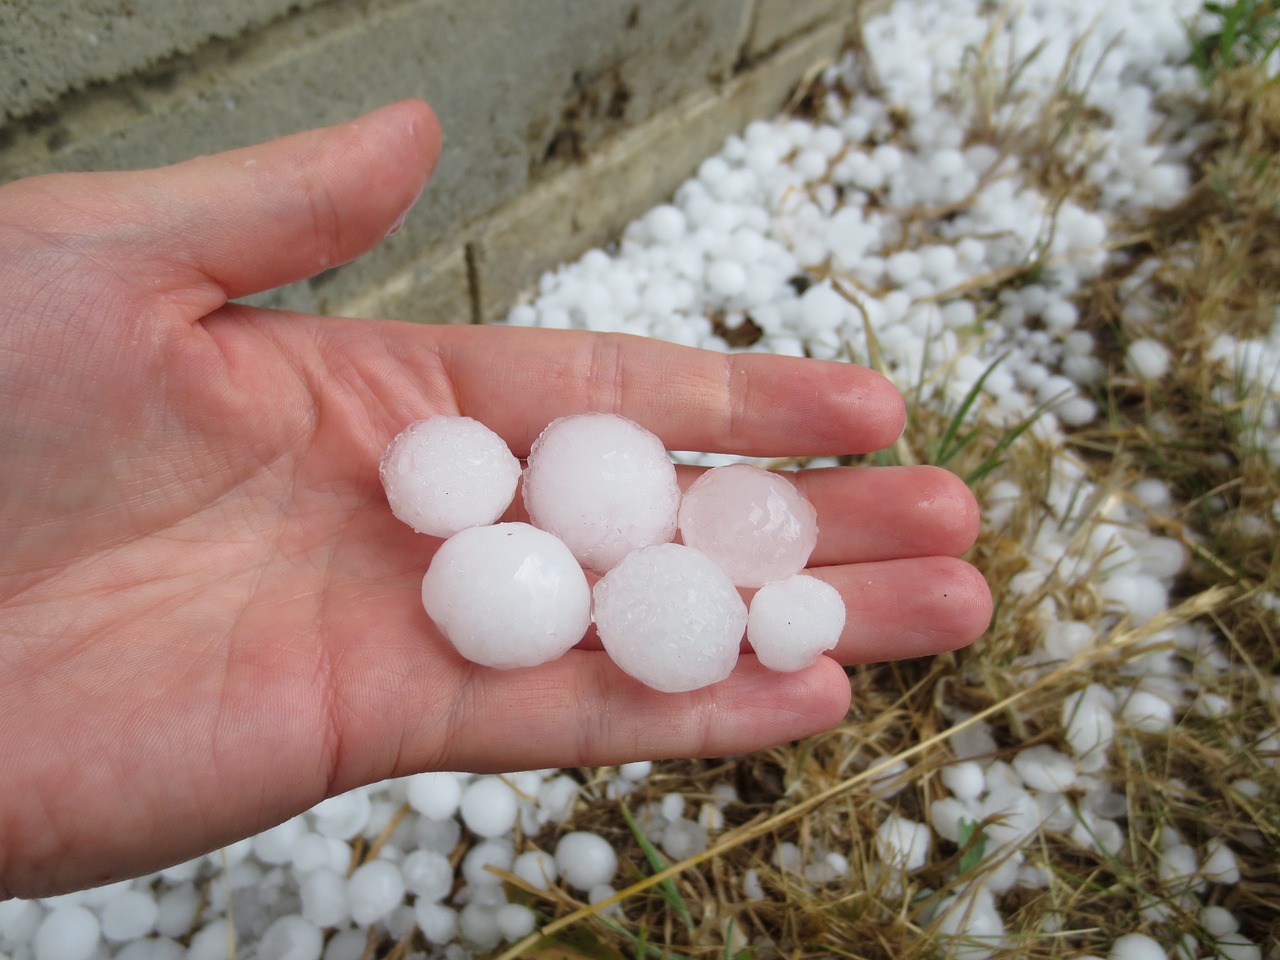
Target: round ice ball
790,622
508,595
602,484
753,523
489,807
585,859
670,618
374,890
446,474
67,933
129,915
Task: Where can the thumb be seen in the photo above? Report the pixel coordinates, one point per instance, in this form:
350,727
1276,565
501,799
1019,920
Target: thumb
251,219
235,223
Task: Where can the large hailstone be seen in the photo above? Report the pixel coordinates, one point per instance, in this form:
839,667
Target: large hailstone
508,595
753,523
445,474
791,622
602,484
669,617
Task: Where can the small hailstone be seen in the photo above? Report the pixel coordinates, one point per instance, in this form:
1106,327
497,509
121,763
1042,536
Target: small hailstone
726,278
822,309
946,816
129,915
438,923
711,817
343,816
18,921
683,838
1147,711
787,857
445,474
428,874
536,868
556,797
670,618
478,926
506,596
1147,358
489,807
754,523
515,921
965,780
791,622
585,859
375,889
434,795
1220,864
325,901
291,938
176,910
497,853
602,484
1043,768
275,845
67,933
636,770
1136,946
902,843
751,886
210,942
1218,921
973,918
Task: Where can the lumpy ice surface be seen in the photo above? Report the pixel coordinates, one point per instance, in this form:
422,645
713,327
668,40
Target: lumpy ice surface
753,523
508,595
445,474
669,617
602,484
792,621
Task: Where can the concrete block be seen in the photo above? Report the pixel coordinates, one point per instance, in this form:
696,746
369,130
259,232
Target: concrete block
435,289
50,48
777,21
520,89
561,216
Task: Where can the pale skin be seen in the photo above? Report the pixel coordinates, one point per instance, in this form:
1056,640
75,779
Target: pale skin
209,618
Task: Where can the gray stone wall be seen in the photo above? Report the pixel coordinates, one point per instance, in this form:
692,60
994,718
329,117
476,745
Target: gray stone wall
562,119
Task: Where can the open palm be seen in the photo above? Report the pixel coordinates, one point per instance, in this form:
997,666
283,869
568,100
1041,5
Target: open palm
209,619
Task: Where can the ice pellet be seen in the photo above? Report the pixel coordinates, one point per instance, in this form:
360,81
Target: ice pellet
508,595
375,889
446,474
602,484
670,618
753,523
791,622
427,874
585,859
489,807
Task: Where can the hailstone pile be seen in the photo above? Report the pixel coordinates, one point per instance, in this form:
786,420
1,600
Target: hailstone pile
601,495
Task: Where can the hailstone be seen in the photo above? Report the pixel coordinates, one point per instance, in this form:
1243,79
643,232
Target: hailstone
790,622
670,618
752,522
508,595
446,474
602,484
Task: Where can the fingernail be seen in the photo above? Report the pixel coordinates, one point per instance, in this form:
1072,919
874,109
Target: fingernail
395,227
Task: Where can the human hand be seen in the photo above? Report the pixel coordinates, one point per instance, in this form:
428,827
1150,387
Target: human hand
209,618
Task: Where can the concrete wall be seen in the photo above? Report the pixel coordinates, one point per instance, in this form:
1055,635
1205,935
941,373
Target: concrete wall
563,119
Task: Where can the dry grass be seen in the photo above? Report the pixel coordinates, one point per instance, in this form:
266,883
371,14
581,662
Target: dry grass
1219,272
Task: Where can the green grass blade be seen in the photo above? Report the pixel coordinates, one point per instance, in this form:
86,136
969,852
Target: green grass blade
947,448
657,862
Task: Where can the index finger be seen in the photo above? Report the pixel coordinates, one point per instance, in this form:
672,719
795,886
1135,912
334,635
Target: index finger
517,380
